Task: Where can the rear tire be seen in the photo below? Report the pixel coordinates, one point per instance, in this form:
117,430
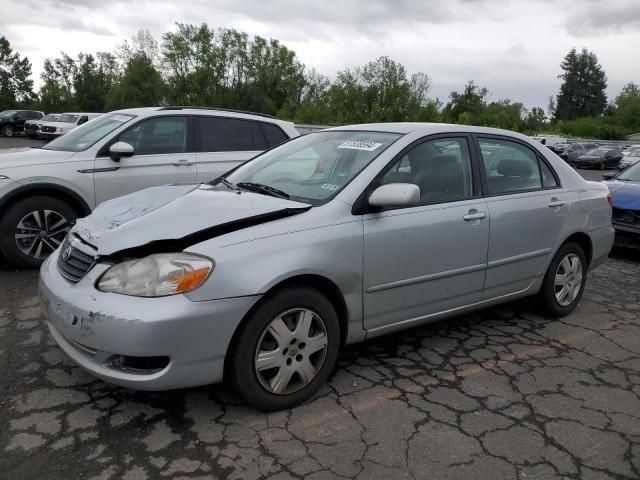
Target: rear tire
275,369
564,281
7,131
33,228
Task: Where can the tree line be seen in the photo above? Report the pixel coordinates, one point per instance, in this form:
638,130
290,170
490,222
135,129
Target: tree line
199,65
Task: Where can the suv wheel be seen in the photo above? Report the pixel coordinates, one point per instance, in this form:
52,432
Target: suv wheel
564,281
286,349
7,131
33,228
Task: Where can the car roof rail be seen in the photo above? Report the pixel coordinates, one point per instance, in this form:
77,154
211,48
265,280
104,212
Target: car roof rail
232,110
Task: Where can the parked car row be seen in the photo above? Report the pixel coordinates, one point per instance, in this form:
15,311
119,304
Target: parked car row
37,125
260,272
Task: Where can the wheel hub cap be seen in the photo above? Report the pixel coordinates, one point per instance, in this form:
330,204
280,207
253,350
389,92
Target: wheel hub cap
291,351
568,279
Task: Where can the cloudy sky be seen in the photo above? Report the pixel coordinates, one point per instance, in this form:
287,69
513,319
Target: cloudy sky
513,47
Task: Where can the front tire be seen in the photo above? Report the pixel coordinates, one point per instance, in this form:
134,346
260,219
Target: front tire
286,349
564,281
33,228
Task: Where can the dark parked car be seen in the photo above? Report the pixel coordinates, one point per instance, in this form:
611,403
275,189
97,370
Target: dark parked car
625,192
602,158
576,150
12,121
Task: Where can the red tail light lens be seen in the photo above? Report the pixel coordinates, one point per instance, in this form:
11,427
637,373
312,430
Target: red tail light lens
610,199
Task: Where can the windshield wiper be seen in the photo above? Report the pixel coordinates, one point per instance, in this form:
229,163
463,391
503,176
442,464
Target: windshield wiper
227,183
261,188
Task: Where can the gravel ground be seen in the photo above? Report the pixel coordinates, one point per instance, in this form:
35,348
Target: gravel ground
499,394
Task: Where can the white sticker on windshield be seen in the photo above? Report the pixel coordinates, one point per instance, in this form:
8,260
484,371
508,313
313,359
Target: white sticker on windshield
365,145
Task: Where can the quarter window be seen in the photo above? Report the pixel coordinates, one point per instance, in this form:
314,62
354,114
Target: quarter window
273,134
511,167
441,168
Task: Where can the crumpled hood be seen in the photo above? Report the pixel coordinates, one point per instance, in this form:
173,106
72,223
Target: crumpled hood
176,216
19,157
626,195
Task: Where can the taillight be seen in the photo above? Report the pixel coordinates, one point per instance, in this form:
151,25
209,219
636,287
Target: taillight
610,199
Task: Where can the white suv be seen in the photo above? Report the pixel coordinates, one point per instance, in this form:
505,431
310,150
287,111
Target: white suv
43,190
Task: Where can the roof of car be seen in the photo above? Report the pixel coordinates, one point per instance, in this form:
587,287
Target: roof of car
149,111
426,128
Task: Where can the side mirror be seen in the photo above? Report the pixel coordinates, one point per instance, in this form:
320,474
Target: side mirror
609,175
395,195
119,150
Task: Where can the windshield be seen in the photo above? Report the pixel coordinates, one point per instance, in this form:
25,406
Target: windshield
8,113
86,135
314,167
66,118
631,174
51,117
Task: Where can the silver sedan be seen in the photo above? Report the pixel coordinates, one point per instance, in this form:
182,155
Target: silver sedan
260,276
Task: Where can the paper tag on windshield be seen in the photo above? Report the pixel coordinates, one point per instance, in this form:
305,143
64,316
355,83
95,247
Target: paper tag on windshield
365,145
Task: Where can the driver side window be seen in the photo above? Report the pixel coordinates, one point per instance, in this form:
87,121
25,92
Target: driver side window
158,136
441,168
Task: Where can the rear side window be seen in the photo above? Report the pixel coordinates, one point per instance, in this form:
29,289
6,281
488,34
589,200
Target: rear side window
511,167
219,134
273,134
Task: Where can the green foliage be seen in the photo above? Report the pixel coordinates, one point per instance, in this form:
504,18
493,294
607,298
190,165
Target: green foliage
582,93
198,65
16,86
141,85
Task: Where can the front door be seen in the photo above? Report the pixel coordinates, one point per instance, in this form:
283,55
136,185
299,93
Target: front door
160,157
430,257
528,210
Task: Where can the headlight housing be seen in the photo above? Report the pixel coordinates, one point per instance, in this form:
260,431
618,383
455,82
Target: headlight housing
157,275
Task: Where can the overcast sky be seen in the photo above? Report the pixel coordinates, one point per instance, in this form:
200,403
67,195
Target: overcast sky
513,47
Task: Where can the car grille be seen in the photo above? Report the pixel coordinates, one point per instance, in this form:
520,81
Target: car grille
73,263
626,217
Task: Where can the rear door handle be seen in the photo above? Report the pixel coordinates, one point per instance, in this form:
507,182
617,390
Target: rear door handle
555,203
182,163
474,216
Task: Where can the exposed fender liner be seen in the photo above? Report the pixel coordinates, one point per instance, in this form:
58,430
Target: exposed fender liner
179,244
47,186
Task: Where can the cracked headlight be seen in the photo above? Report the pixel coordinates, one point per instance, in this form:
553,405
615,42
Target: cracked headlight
157,275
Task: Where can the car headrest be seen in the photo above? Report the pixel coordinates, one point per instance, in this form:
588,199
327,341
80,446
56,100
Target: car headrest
515,168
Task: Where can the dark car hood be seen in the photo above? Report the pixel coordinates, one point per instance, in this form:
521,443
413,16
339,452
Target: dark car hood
176,216
626,195
590,157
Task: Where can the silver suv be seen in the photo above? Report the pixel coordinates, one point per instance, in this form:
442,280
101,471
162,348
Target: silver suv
43,190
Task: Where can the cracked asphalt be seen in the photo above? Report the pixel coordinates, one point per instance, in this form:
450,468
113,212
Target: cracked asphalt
499,394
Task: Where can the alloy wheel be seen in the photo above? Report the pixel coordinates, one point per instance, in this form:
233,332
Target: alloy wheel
291,351
40,232
7,131
568,279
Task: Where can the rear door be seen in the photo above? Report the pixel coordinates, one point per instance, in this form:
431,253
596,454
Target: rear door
222,143
528,209
162,155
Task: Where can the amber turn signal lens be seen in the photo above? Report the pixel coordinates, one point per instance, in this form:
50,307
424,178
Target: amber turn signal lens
190,280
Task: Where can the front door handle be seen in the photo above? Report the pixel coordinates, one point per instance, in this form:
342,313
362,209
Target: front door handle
555,203
182,163
474,215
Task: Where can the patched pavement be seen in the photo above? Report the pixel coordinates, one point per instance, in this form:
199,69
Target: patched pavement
498,394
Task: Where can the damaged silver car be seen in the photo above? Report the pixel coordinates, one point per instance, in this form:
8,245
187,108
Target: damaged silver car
262,275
